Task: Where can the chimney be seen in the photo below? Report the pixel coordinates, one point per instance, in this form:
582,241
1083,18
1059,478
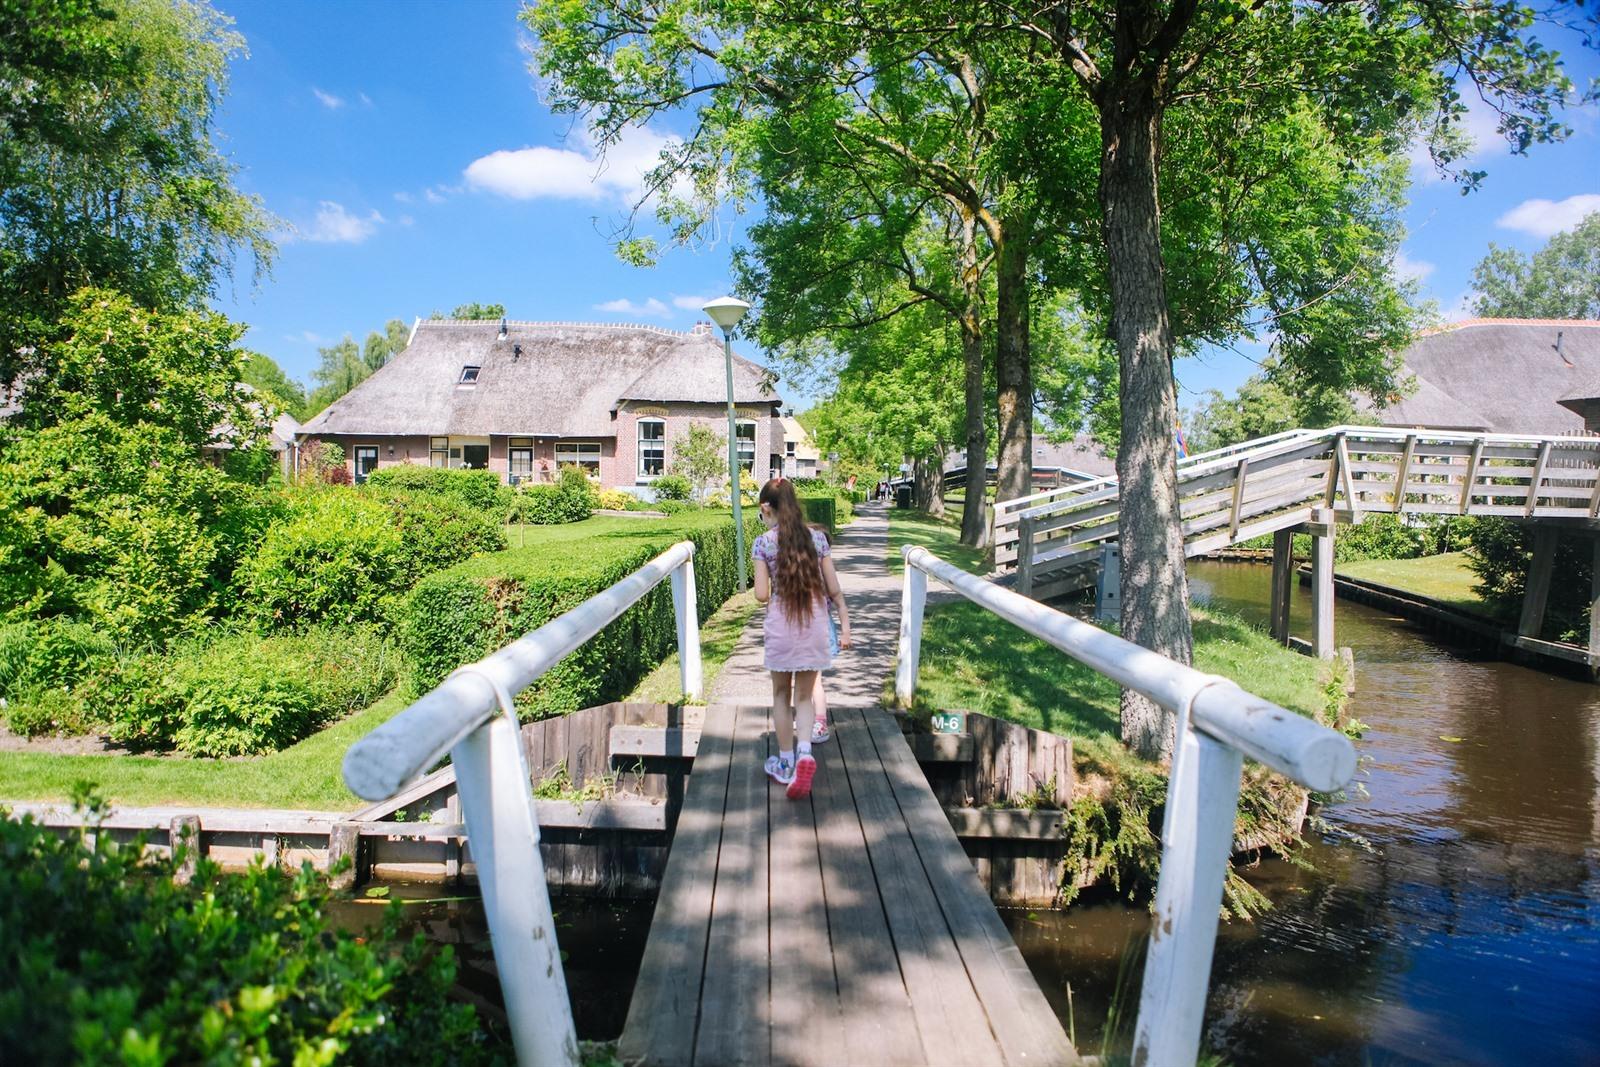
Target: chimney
502,329
1560,352
701,329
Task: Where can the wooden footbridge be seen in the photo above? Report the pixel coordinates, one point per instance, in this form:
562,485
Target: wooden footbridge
1065,539
849,927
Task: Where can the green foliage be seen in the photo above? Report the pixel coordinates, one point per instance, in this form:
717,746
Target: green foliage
476,489
676,507
1499,553
242,694
475,310
618,500
345,364
107,511
263,374
240,968
673,486
1559,281
108,174
53,653
437,531
699,458
572,499
820,511
333,557
474,608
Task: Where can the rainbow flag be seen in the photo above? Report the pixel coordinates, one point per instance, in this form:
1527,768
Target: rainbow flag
1177,434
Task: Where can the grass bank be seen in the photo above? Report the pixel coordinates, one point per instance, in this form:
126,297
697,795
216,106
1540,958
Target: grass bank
718,637
942,537
1445,578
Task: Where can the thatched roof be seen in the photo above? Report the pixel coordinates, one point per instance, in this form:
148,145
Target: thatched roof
1500,375
567,381
1082,456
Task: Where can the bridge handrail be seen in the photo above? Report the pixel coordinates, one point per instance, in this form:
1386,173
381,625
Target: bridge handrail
1218,723
471,717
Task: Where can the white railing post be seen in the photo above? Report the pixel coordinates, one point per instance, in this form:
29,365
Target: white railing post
690,669
496,794
913,595
1196,843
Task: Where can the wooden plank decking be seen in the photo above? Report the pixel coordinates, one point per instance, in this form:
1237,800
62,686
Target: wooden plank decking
846,928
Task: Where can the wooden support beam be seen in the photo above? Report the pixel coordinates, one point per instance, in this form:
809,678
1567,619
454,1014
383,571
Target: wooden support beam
1239,475
183,835
1025,548
1341,448
1537,591
1538,477
1472,476
1594,607
1405,471
344,842
1282,582
1322,597
452,847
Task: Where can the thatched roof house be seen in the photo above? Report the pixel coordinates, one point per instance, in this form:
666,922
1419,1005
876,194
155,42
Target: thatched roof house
525,397
1536,376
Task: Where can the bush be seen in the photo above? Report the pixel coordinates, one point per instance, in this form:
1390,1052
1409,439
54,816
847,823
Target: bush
463,614
45,712
572,499
241,968
245,694
333,558
438,530
1500,552
482,490
618,500
49,654
820,510
677,507
672,487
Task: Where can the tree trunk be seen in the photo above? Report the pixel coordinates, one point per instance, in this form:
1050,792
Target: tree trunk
1013,371
1155,596
974,522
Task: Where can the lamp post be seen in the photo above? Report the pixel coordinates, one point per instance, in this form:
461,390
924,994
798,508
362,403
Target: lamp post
726,311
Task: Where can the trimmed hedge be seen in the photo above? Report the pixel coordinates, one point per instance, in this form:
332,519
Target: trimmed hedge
477,489
572,499
821,510
463,614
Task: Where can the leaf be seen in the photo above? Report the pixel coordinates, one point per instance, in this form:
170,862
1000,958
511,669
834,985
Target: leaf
1452,740
378,891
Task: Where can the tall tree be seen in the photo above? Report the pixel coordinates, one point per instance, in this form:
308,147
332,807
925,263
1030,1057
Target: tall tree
1559,281
262,373
108,173
474,310
344,365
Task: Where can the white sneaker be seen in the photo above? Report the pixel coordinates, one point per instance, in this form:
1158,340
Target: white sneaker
780,770
819,731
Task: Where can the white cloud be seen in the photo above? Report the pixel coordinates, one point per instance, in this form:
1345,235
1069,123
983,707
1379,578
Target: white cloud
690,303
623,306
366,101
305,335
1415,270
568,174
327,100
1546,218
404,197
334,225
406,220
433,196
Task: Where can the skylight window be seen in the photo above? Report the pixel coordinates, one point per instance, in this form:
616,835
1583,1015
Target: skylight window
469,375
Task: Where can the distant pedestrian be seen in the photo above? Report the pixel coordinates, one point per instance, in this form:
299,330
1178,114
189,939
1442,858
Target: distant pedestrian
794,577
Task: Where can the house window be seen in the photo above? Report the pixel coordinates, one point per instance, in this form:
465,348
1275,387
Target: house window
746,432
788,449
469,375
585,454
366,461
521,455
652,447
438,451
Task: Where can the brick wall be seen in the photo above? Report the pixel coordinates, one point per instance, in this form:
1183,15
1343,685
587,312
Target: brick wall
623,472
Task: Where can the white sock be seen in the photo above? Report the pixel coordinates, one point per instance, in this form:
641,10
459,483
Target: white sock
804,747
786,756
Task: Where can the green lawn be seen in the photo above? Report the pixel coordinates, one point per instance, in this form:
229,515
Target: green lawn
976,661
942,537
603,532
1444,578
718,636
305,775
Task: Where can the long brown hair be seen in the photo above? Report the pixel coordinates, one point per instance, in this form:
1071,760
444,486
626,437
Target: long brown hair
797,572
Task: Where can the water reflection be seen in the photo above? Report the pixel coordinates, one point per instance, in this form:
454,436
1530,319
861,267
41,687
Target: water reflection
1454,913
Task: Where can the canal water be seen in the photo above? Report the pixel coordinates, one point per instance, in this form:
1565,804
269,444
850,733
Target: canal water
1453,913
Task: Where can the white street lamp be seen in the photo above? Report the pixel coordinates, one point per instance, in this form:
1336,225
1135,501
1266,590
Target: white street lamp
726,311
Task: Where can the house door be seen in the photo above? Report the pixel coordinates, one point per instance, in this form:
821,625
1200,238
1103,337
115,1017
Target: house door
475,457
366,461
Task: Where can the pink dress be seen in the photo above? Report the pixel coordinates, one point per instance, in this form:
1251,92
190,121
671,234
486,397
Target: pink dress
792,646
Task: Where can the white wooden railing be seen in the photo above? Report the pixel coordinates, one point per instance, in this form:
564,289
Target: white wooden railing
1273,483
471,718
1218,724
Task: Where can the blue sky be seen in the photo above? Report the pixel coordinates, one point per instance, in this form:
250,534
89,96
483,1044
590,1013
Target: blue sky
407,147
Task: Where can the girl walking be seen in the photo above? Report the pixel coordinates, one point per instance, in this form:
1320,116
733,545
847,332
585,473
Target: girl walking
794,577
